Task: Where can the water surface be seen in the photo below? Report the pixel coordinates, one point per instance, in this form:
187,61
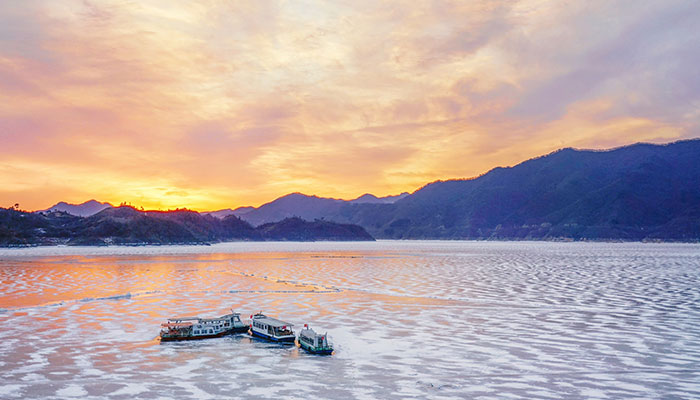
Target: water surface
410,319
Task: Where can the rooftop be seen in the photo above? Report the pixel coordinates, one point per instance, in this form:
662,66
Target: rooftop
176,324
202,319
271,321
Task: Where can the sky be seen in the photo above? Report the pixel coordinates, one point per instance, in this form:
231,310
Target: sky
217,104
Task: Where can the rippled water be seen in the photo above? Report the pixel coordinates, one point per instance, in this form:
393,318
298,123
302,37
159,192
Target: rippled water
409,319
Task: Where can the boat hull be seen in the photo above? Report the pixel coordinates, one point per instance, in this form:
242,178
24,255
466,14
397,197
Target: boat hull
240,329
310,349
284,339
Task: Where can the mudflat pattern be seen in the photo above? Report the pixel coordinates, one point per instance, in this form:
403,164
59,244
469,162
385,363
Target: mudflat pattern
409,320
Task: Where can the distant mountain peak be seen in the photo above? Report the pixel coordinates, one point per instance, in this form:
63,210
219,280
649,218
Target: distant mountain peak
86,209
370,198
298,194
366,198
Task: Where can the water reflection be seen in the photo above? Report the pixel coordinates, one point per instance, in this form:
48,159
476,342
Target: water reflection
418,319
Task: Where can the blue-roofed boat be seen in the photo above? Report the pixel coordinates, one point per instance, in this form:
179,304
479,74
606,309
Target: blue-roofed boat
271,329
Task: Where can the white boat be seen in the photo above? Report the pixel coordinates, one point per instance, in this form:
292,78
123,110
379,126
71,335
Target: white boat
313,342
271,329
193,328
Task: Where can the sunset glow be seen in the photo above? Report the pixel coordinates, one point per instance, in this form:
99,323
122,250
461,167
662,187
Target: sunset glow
217,104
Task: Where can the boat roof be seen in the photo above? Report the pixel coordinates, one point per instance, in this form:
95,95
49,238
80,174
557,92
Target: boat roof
310,332
272,321
176,324
202,319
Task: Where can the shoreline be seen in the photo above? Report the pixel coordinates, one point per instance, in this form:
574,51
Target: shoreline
387,247
205,244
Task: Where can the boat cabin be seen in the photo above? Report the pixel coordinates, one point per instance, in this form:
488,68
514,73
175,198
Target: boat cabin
190,328
271,328
313,342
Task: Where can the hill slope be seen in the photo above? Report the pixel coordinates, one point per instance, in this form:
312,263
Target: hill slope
292,205
298,205
637,192
297,229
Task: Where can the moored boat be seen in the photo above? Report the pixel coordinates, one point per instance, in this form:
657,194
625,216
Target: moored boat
194,328
313,342
271,329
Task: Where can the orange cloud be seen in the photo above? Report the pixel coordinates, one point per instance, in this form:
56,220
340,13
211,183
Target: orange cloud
219,104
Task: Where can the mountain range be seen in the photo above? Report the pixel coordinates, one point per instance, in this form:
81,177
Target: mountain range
92,207
300,205
637,192
126,225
